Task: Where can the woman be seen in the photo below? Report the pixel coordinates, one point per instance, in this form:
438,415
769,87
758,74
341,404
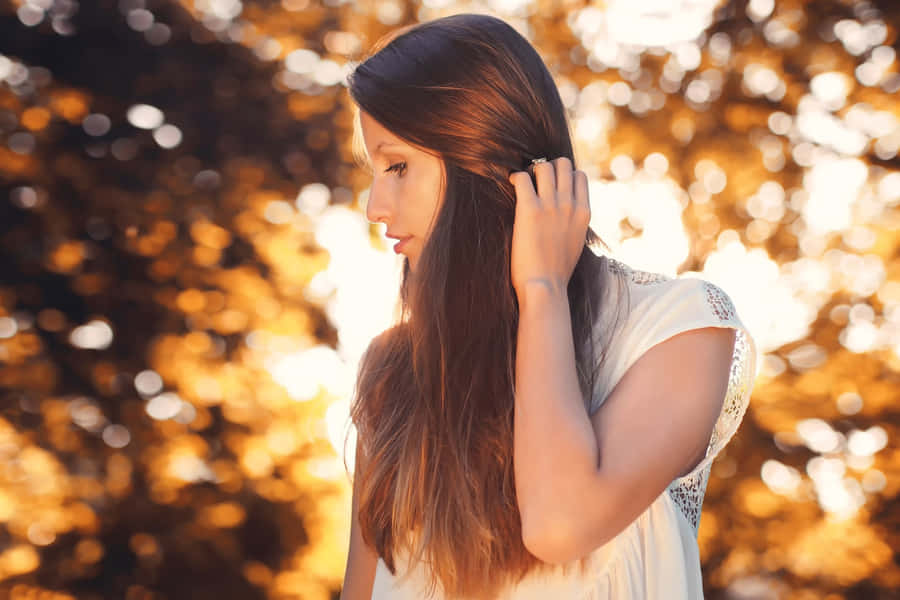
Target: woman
540,421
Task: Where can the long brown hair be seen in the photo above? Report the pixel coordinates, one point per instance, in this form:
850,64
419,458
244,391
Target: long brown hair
433,403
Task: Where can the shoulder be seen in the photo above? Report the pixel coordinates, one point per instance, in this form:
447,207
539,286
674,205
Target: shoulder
636,278
687,294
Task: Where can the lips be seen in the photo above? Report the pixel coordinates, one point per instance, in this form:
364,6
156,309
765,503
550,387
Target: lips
398,247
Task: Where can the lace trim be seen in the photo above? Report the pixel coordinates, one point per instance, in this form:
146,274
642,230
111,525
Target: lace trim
688,491
637,276
719,302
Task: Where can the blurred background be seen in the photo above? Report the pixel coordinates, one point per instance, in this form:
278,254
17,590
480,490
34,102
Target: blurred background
188,279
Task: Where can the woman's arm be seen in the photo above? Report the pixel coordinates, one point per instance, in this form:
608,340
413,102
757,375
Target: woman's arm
361,559
581,480
554,446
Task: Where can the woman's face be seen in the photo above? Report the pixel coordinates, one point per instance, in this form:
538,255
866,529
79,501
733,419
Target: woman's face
406,190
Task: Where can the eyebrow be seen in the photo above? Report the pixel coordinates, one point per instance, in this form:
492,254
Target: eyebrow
388,145
366,159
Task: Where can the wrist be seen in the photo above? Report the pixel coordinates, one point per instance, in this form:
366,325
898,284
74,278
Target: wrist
538,291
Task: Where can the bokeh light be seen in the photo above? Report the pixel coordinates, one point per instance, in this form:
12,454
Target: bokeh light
190,280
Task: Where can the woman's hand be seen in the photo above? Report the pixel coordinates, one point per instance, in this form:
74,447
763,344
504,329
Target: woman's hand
550,225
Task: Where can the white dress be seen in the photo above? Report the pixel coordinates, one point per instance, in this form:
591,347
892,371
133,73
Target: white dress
656,557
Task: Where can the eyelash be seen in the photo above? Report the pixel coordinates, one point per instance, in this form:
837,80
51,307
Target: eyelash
400,167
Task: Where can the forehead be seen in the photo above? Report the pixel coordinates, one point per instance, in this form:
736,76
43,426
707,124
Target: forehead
379,137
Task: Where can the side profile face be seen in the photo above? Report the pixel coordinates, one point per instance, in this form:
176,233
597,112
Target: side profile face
407,187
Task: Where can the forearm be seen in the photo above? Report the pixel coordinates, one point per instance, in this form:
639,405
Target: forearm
555,449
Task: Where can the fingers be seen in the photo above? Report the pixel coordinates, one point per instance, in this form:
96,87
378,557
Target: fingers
521,181
564,182
582,200
546,182
557,185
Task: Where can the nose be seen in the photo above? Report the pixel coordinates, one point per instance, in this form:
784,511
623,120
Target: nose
377,205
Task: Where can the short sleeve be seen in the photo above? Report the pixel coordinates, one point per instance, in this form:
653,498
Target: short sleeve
714,308
667,307
700,303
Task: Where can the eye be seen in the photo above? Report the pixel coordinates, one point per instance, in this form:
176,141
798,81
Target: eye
400,167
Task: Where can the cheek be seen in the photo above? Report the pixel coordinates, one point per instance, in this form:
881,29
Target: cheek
431,189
